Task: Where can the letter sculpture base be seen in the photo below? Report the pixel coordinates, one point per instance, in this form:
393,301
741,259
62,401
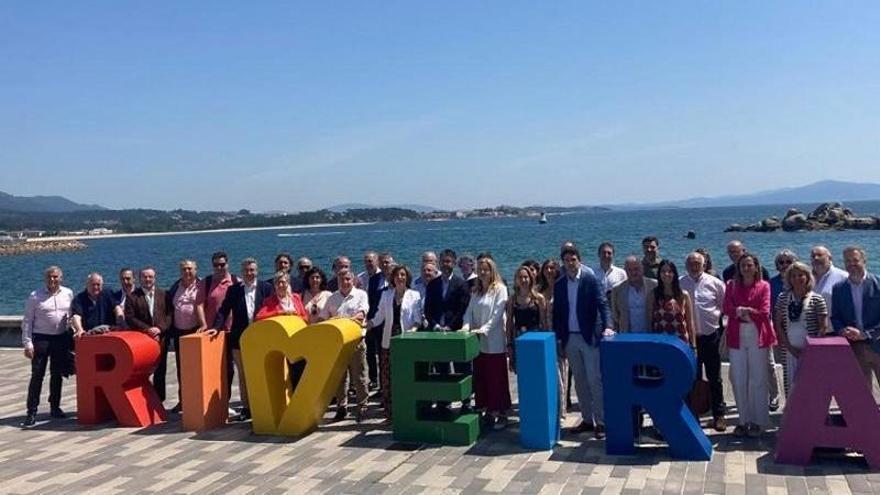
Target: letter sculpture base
203,381
624,392
413,389
536,380
268,345
112,381
828,368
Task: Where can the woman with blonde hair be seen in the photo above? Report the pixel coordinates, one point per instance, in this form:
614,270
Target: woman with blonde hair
486,317
526,311
798,313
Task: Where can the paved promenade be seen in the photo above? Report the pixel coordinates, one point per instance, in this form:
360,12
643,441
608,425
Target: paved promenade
61,457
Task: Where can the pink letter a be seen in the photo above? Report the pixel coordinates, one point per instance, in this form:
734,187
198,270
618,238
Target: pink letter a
829,369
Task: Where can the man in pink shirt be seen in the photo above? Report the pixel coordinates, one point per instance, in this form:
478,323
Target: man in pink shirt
215,287
187,306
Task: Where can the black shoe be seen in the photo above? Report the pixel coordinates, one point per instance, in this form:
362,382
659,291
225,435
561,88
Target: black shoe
656,435
359,415
600,432
244,415
774,404
29,420
466,409
177,409
340,414
57,413
499,423
584,427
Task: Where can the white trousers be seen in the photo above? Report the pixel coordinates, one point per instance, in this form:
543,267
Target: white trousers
751,382
587,374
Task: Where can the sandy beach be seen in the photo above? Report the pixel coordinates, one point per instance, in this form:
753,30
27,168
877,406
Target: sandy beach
190,232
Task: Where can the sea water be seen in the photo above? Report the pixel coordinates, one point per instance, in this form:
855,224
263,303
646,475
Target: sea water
509,240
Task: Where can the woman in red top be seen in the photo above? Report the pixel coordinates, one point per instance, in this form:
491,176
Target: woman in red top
283,301
671,309
750,337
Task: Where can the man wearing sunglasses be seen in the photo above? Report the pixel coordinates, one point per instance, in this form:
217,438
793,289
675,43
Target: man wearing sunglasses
297,280
215,287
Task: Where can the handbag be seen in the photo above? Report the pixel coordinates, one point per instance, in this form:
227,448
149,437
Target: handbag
698,398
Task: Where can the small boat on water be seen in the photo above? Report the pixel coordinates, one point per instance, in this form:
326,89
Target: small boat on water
543,218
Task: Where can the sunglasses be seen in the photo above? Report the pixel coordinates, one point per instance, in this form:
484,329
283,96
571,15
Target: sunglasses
304,267
219,265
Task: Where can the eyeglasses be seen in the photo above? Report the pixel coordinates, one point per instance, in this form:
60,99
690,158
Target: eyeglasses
219,265
784,262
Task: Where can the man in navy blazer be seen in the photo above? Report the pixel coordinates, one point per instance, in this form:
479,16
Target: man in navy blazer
855,311
447,296
580,319
241,303
446,300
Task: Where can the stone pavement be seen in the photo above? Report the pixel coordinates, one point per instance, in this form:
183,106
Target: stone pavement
61,457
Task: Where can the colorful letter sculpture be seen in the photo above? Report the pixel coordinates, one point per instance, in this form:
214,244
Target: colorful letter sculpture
828,368
663,399
414,390
203,381
112,379
536,379
268,345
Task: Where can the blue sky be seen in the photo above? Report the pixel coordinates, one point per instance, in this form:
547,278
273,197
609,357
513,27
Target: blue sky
297,106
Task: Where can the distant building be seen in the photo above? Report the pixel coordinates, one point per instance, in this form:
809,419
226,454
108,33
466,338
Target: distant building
101,231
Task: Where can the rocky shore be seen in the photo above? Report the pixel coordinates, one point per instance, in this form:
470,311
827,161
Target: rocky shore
34,247
827,216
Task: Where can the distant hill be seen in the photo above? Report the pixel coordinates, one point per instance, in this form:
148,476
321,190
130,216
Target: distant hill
817,192
361,206
42,204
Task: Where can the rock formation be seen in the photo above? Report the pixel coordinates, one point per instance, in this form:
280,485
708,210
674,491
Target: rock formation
826,216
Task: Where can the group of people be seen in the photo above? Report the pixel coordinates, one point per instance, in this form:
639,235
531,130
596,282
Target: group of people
744,313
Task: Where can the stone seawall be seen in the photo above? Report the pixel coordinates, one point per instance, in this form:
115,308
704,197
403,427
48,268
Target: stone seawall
10,331
32,247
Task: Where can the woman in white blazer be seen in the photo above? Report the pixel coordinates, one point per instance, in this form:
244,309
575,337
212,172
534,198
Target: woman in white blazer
486,316
400,310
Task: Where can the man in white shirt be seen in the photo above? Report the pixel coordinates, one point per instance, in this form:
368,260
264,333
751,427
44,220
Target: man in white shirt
707,294
46,340
429,272
609,276
826,275
350,302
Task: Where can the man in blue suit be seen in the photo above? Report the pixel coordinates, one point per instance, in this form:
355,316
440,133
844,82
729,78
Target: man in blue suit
241,303
855,311
578,305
